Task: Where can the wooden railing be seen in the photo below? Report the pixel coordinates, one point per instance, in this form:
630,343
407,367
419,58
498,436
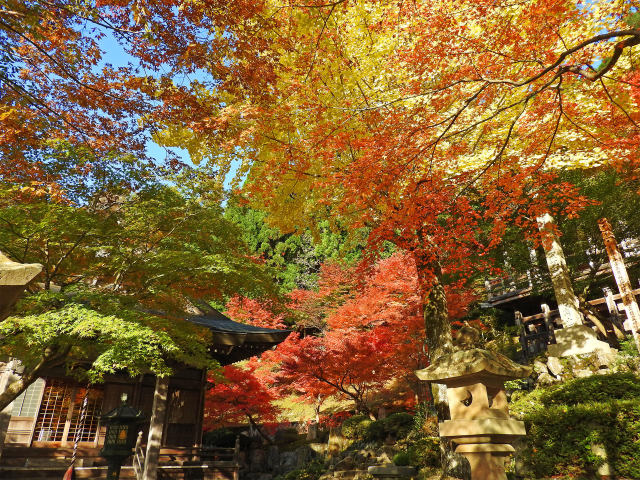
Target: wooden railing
214,462
537,331
188,458
138,458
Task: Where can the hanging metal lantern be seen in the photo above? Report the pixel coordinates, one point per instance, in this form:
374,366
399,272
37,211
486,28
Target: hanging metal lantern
120,438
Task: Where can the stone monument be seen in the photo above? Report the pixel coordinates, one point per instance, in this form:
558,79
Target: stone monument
480,426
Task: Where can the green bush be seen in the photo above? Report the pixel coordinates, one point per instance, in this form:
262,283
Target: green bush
311,471
597,388
356,427
628,347
361,427
561,436
398,424
375,432
401,459
425,452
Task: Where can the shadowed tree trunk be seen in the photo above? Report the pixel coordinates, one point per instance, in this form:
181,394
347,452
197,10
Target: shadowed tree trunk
439,342
50,358
437,327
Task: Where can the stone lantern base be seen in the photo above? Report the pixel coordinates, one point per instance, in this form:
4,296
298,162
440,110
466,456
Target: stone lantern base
485,443
486,465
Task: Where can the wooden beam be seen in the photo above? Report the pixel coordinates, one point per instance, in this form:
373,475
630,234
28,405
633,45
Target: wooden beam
622,279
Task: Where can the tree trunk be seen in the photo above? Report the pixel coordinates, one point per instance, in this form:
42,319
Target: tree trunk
568,304
439,342
264,436
437,328
49,359
156,427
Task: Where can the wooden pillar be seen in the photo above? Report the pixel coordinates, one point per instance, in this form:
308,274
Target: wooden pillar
236,459
156,427
568,304
622,279
200,415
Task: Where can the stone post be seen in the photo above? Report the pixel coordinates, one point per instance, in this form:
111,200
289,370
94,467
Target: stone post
480,426
622,279
574,338
568,304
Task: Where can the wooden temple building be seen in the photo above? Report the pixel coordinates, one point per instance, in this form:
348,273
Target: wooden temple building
46,417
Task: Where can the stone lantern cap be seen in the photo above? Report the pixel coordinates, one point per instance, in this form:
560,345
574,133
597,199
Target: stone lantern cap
472,365
13,273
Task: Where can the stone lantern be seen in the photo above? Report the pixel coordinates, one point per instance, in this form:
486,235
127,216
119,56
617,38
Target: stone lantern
480,426
14,277
120,437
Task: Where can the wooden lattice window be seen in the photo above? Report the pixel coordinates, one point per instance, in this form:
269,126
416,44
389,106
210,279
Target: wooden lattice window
54,409
27,403
89,427
60,413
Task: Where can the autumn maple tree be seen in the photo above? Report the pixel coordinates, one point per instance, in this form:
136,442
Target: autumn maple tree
430,126
238,395
413,121
370,338
63,87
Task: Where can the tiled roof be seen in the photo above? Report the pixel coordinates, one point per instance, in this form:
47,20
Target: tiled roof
229,332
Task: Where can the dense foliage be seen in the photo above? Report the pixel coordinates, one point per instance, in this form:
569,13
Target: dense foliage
391,154
111,336
236,396
574,427
120,269
361,427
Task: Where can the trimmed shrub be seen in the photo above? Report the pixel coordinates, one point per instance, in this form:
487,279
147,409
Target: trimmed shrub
361,427
561,436
398,424
597,388
375,432
425,452
401,459
356,427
